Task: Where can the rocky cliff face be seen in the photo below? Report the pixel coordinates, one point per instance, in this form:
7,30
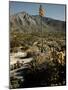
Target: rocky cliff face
26,23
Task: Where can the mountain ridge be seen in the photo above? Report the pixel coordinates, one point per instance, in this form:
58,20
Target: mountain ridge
23,21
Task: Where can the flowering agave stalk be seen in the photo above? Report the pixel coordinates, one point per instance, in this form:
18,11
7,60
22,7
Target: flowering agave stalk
41,14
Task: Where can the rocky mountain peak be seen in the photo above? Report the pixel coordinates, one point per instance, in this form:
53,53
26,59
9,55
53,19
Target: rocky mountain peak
22,21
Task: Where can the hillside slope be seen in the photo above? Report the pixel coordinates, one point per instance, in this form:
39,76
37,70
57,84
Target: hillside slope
23,22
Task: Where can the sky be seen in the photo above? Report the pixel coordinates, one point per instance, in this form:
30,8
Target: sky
55,11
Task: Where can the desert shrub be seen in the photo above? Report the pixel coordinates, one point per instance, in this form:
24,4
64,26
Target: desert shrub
14,83
48,74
